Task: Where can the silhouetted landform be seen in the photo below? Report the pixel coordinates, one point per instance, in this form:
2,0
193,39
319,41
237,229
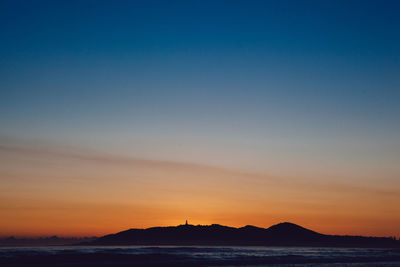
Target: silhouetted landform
42,241
283,234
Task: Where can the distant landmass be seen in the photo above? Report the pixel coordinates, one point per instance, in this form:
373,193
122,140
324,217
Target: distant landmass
42,241
282,234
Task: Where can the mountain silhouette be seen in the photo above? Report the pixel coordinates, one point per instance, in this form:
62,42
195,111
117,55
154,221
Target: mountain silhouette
282,234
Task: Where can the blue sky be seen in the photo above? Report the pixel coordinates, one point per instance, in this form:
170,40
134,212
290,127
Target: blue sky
121,114
171,79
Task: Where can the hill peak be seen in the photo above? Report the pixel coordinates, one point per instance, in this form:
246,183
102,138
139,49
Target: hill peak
281,234
286,225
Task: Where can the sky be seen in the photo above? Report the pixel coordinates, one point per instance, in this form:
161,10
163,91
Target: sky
132,114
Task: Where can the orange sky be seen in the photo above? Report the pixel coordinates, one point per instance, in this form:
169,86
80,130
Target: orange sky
54,191
136,114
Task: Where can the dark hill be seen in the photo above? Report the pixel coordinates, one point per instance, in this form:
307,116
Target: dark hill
283,234
291,231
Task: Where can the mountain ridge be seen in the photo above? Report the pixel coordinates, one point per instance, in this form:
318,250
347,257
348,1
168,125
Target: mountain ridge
281,234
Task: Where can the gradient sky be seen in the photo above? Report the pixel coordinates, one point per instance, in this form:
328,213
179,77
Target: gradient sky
120,114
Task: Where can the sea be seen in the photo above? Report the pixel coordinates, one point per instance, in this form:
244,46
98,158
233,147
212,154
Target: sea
197,256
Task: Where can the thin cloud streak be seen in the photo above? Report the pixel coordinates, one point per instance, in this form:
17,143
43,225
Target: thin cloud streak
256,178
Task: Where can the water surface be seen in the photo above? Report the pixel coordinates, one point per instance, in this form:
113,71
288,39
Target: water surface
197,256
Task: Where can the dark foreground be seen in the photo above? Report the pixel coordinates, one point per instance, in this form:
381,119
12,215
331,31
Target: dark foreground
198,256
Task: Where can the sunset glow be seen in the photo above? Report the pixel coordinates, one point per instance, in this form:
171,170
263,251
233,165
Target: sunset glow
140,114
